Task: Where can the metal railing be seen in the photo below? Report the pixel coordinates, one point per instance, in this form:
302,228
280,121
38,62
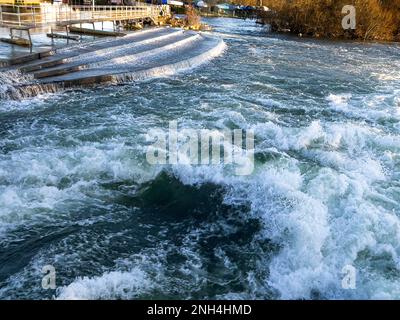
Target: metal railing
59,14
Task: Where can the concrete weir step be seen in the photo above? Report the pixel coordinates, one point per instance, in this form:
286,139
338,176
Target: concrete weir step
29,57
63,36
17,41
96,32
56,72
43,64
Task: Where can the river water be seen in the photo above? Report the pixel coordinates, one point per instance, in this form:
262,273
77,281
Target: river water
77,193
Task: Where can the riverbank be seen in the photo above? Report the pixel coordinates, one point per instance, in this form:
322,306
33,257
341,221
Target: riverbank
373,20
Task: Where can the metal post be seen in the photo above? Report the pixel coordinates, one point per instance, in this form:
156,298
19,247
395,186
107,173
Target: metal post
30,39
67,31
19,15
52,36
33,16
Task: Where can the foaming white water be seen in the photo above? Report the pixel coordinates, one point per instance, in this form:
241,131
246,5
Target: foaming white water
371,107
17,85
108,53
170,69
388,77
30,191
10,79
147,54
339,102
111,285
323,220
326,220
324,217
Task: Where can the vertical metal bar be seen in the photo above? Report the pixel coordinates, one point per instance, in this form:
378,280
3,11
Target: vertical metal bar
19,15
30,39
67,31
52,36
33,16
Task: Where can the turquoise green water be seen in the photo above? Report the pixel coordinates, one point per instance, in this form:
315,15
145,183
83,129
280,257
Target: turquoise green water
76,191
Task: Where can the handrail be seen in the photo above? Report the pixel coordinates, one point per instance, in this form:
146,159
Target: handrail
34,15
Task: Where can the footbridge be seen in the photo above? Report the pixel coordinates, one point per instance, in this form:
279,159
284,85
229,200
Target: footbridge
47,15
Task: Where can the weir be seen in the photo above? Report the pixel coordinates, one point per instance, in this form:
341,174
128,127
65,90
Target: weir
117,58
143,54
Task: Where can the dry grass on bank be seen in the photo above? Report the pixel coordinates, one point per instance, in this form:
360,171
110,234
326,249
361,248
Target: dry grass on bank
376,19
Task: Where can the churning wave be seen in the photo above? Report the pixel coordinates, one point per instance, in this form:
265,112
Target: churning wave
314,219
300,223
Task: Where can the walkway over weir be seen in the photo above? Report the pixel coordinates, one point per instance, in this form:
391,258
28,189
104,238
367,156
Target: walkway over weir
43,15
